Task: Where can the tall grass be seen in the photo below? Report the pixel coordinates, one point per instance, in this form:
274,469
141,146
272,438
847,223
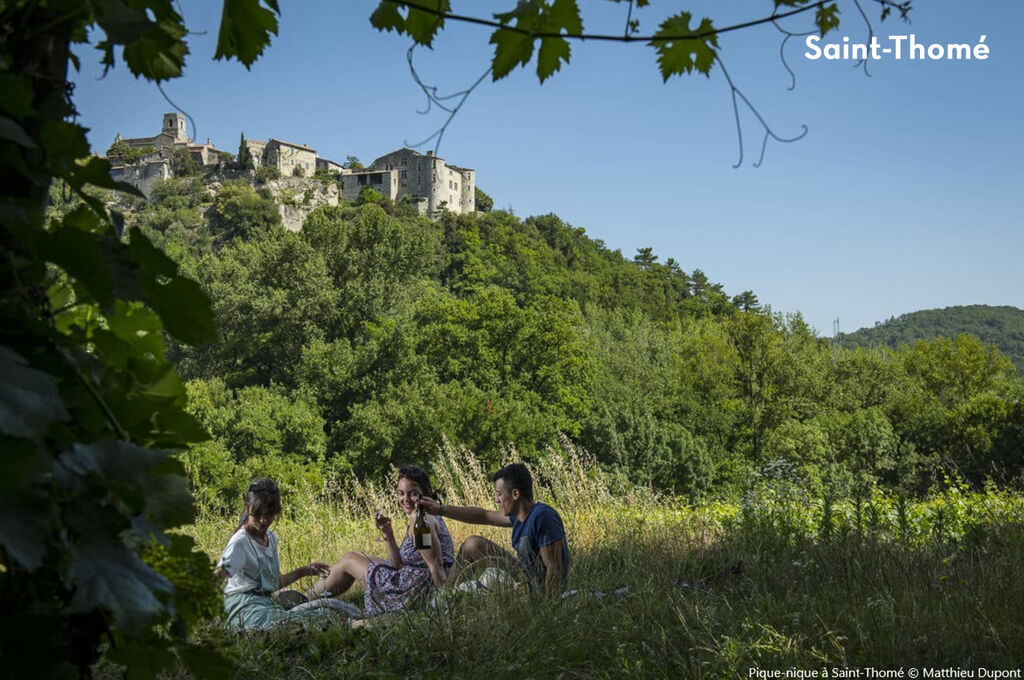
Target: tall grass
879,581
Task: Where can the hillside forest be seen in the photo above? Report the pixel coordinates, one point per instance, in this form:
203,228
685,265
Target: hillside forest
999,326
373,336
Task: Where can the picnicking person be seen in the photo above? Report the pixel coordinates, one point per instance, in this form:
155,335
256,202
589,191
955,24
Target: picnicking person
538,534
412,568
251,566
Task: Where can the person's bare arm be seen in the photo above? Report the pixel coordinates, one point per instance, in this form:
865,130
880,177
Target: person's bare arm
466,513
312,569
551,556
394,556
432,555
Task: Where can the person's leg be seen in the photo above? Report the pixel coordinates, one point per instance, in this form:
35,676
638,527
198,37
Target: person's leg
477,551
343,574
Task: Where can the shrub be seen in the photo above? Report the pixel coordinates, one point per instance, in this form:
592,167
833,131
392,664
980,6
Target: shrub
266,174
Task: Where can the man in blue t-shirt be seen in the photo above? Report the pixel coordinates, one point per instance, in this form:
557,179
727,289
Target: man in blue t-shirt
538,534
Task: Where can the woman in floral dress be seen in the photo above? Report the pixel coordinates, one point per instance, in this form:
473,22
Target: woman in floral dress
408,574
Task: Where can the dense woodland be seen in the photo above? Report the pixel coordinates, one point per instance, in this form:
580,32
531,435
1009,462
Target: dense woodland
999,326
373,335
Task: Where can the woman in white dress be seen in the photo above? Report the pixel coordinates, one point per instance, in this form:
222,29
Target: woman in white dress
251,566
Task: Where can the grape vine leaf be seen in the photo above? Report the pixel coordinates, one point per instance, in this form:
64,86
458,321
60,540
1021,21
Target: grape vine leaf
680,54
827,18
29,399
245,29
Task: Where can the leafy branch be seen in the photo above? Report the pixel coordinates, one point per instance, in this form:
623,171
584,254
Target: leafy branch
540,33
680,47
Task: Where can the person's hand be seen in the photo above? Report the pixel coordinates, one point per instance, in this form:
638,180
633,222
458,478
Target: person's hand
383,523
317,569
430,506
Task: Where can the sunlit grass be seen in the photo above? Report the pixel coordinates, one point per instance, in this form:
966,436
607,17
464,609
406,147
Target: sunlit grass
883,582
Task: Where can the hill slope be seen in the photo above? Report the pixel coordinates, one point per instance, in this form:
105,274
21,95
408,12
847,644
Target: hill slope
999,326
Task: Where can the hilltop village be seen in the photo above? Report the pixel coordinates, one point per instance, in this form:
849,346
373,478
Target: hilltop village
425,180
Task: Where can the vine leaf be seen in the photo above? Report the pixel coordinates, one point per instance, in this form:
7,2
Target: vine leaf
110,576
683,55
183,307
15,95
13,132
552,52
511,49
26,516
245,29
387,17
29,399
418,24
423,26
153,47
827,18
563,15
160,54
515,47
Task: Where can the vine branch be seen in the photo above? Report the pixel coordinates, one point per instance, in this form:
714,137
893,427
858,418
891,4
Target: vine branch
887,4
768,132
439,100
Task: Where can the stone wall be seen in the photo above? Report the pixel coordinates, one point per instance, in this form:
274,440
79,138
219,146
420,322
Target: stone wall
384,182
298,196
142,175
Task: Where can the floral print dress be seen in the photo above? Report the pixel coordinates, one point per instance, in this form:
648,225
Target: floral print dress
389,589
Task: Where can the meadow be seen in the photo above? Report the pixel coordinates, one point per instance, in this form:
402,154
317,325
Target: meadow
826,585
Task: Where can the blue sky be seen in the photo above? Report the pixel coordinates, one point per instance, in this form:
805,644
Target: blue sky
907,192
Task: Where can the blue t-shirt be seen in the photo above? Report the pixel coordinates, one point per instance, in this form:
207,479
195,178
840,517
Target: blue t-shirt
542,526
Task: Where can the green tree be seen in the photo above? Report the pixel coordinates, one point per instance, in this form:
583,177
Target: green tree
127,154
256,431
371,258
272,296
266,173
239,211
484,203
645,257
370,196
245,159
183,163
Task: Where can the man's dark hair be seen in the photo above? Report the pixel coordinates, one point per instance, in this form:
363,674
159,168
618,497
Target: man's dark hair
516,476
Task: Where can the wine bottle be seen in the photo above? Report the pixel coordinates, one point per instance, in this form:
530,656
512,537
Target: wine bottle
421,531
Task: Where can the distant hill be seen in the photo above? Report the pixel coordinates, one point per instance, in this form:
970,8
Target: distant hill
999,326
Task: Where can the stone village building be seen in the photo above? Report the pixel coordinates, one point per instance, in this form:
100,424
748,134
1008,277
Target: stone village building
156,165
426,180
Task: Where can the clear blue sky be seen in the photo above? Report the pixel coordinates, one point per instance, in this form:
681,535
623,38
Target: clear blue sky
907,192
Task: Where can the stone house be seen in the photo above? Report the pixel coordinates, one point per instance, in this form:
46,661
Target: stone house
327,165
429,182
286,157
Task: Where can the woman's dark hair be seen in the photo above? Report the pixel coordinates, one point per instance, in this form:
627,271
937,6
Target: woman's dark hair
516,476
263,498
418,476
